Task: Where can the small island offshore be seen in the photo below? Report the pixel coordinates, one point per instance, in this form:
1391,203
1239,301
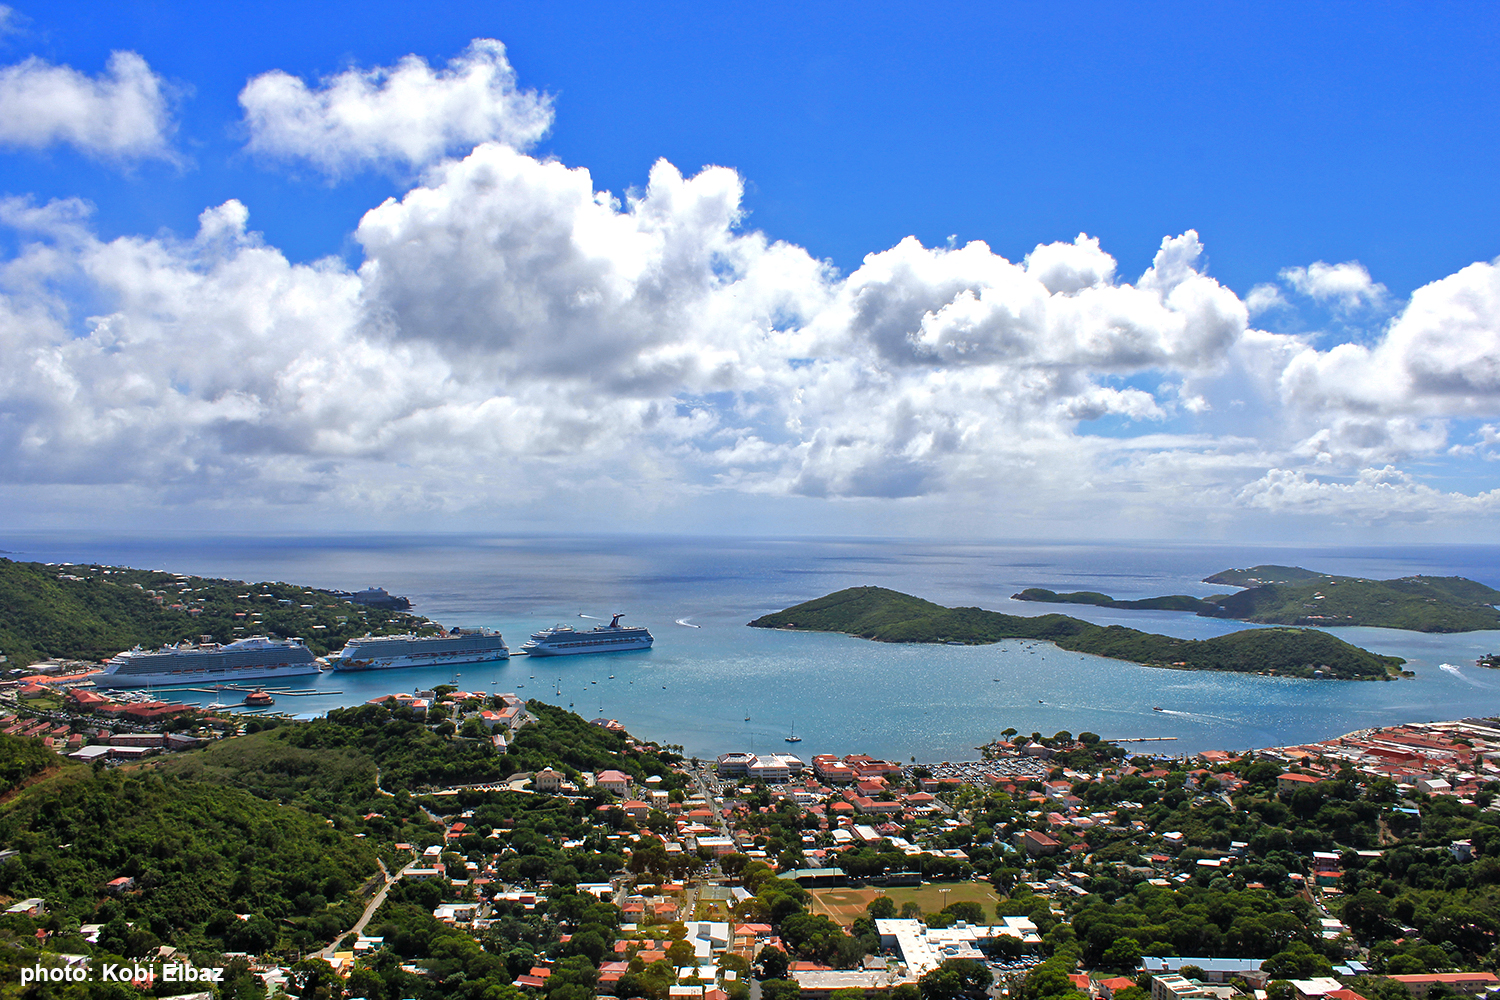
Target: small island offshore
890,616
1291,595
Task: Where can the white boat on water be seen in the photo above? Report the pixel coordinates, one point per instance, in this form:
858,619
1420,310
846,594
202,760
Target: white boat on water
565,640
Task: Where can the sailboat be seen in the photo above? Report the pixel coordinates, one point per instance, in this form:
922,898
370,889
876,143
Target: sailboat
794,738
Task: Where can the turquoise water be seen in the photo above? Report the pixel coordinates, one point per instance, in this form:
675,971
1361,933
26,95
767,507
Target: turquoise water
844,695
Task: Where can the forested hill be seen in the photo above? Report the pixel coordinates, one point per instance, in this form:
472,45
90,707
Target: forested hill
271,843
1291,595
87,612
889,616
1417,603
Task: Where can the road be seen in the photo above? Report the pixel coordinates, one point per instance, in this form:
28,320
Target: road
359,927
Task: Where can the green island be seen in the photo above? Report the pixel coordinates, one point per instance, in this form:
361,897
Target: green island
1291,595
1174,602
890,616
92,612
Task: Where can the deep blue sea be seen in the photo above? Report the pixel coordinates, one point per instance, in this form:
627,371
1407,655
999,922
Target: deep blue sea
713,685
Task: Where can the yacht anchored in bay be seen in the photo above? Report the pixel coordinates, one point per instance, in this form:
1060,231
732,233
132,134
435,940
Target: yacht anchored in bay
388,652
565,640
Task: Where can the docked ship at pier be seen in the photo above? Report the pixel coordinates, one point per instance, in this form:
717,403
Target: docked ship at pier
389,652
257,658
565,640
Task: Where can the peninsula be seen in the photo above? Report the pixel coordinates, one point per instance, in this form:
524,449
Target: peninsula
1291,595
890,616
91,612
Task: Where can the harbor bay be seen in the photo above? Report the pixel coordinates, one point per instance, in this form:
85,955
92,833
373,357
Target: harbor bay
711,684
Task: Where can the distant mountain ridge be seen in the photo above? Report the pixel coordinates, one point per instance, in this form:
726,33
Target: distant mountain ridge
1291,595
890,616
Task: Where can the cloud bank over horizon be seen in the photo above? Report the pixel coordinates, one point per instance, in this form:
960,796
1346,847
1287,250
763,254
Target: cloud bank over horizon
509,323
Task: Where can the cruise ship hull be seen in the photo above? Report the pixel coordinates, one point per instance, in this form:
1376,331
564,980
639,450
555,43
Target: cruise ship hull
584,643
395,652
223,675
254,659
421,660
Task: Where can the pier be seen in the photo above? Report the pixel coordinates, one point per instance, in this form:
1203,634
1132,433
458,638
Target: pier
288,692
1143,739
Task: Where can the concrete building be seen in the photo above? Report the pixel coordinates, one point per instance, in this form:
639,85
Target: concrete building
924,948
1472,983
774,768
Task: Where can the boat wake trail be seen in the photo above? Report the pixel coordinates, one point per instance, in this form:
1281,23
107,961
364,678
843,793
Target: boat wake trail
1458,672
687,623
595,617
1194,715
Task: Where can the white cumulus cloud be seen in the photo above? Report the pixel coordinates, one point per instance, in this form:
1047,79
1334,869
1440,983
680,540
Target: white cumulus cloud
123,114
514,335
407,115
1347,285
1372,496
1440,357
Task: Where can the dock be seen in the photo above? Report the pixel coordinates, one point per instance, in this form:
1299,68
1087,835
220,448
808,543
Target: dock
277,692
1142,739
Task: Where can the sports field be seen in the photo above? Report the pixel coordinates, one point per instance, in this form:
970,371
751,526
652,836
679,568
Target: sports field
843,905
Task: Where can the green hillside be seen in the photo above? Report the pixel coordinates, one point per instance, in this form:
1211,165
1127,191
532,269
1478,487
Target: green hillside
93,612
1417,603
889,616
194,850
1291,595
1174,602
1257,576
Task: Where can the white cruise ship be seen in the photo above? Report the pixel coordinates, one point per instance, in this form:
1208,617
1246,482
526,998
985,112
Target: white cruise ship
388,652
565,640
254,659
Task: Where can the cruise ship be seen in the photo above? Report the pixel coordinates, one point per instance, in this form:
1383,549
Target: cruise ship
387,652
254,659
564,640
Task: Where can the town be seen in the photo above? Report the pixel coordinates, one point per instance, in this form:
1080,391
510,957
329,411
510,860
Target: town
1054,866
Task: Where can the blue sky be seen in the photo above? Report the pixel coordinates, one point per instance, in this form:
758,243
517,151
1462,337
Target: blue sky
1313,351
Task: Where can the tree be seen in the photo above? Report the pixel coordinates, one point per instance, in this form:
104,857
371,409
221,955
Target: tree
680,953
316,980
1124,953
881,908
966,910
772,963
780,989
1297,961
955,978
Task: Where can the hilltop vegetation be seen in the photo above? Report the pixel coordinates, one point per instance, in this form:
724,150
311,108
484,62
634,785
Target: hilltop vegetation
890,616
270,843
1257,576
1291,595
92,612
1418,603
21,759
193,849
1176,602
